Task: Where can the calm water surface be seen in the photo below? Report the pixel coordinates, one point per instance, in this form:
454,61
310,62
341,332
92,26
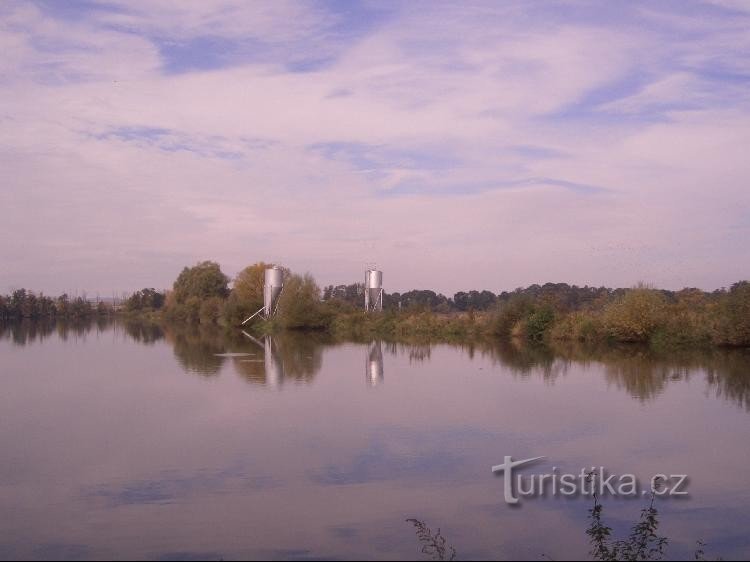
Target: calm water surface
123,441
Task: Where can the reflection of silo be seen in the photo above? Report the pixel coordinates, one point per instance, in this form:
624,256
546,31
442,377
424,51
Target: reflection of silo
274,284
373,290
273,363
374,367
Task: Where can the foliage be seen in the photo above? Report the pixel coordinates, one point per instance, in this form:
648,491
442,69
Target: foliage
145,299
734,324
202,281
195,286
577,326
353,294
247,294
636,316
539,322
538,313
510,313
24,304
299,303
210,310
434,545
474,300
643,542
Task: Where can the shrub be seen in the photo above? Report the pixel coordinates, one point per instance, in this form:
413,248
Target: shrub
734,316
539,322
510,314
635,316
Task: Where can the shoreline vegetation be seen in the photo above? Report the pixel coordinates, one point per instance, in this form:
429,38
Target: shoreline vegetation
550,313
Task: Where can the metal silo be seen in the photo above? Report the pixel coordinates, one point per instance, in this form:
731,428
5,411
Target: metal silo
373,290
274,284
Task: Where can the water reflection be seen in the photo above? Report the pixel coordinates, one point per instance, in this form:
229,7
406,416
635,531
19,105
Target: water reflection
261,360
147,333
641,372
268,370
28,332
374,372
198,349
280,359
166,431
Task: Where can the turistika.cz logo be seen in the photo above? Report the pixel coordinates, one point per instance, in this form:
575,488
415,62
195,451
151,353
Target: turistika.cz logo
588,482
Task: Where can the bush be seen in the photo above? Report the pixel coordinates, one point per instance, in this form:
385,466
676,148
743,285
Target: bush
734,322
636,316
510,314
539,322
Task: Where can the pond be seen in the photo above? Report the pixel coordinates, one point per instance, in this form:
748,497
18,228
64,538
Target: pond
130,441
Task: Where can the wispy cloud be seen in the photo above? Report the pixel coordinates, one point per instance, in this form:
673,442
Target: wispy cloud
143,135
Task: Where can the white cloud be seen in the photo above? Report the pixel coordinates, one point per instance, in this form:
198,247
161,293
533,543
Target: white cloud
117,174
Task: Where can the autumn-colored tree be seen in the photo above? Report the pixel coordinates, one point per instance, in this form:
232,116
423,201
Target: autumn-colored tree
246,297
247,290
635,316
735,316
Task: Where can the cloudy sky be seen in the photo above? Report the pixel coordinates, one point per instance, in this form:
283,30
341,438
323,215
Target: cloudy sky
456,145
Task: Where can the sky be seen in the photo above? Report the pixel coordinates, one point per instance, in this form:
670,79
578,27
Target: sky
456,145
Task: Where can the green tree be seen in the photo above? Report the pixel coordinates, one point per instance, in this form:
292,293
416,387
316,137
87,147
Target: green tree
204,280
145,299
299,304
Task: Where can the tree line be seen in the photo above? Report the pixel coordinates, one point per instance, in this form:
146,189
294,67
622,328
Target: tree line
25,304
571,296
553,311
203,294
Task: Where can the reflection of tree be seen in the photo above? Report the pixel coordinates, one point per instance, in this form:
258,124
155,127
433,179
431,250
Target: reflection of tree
639,370
29,331
197,347
417,350
419,353
729,376
644,373
524,359
641,374
302,354
289,355
143,332
252,369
